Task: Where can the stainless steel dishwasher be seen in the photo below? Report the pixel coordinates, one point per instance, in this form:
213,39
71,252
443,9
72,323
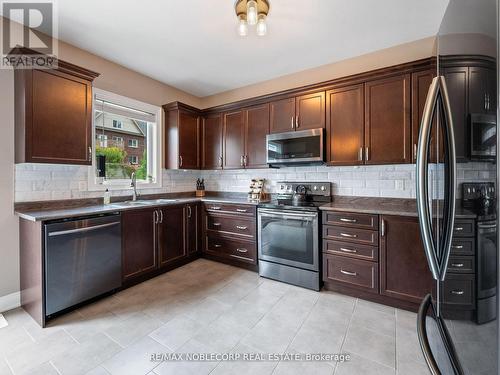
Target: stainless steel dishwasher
83,260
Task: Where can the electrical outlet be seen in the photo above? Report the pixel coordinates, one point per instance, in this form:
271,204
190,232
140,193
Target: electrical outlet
400,184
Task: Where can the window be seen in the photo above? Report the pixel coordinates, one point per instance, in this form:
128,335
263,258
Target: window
137,126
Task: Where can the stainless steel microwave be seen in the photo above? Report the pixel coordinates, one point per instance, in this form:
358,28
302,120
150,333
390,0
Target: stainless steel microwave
298,147
483,137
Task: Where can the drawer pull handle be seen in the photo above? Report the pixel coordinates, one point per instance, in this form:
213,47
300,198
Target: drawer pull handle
348,235
242,250
457,265
215,208
217,245
348,250
216,224
458,229
348,273
348,220
241,210
458,246
457,292
241,227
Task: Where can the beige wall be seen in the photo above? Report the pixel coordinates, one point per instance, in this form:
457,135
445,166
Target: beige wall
390,56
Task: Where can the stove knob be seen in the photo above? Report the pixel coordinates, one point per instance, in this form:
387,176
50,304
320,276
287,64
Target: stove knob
323,188
289,187
315,188
282,187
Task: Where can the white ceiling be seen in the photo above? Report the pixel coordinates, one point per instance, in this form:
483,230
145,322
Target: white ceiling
193,44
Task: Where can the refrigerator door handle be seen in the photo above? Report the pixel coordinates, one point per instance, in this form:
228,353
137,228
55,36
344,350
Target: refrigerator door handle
422,178
450,175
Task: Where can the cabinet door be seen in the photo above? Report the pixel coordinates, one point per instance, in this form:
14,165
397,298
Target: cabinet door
404,272
256,129
59,119
139,245
310,111
387,120
188,141
192,228
234,140
345,125
478,89
492,91
212,142
457,84
282,115
171,234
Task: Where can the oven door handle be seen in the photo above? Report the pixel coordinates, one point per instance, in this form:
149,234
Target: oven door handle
289,216
268,213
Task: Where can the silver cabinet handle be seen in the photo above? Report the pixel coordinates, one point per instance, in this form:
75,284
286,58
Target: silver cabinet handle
217,245
215,208
241,227
245,160
486,101
189,211
367,153
457,292
348,235
241,210
345,250
81,230
458,246
161,216
220,161
155,217
382,229
180,161
242,163
292,123
90,153
297,122
415,151
457,265
241,250
458,229
360,154
348,220
216,224
348,273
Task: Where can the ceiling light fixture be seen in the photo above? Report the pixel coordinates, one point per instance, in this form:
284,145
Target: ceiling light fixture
252,12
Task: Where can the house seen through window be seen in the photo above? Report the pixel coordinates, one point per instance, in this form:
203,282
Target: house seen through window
125,142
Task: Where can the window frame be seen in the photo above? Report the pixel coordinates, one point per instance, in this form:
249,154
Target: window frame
120,122
100,184
134,142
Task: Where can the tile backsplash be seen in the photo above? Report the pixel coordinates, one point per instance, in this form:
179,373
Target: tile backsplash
35,182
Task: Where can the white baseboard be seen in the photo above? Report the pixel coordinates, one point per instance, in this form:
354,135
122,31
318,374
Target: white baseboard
10,301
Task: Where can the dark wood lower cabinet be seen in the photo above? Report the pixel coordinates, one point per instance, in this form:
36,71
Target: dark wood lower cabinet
171,234
404,272
139,242
193,220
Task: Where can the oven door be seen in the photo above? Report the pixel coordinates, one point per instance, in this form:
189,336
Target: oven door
289,237
486,259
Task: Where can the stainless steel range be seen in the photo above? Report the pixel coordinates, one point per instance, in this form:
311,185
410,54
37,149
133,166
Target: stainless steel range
288,233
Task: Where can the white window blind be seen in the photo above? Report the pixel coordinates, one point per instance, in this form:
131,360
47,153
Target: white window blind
105,106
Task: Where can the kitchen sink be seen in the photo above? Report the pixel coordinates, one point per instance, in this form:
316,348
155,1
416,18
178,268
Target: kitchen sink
161,201
132,203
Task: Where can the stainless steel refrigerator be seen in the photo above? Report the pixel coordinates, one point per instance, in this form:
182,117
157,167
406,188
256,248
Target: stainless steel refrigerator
457,320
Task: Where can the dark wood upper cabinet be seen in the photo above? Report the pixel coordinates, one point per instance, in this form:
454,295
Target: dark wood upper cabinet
310,111
388,120
53,115
482,91
212,142
234,140
193,225
345,125
420,83
182,137
138,243
457,82
404,272
171,234
256,129
282,115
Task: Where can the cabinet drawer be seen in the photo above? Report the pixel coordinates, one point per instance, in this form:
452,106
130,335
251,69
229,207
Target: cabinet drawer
347,219
240,209
245,251
464,228
352,272
361,236
463,246
461,264
351,250
458,291
240,226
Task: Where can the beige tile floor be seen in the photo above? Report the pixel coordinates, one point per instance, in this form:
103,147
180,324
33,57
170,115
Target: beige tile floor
207,307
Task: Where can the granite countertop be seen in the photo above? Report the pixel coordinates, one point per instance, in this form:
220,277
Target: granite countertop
384,206
62,210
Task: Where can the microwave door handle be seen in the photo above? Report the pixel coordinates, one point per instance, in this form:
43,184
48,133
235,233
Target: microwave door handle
422,176
451,182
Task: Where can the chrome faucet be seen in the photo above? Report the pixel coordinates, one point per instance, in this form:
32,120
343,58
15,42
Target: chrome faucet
133,185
